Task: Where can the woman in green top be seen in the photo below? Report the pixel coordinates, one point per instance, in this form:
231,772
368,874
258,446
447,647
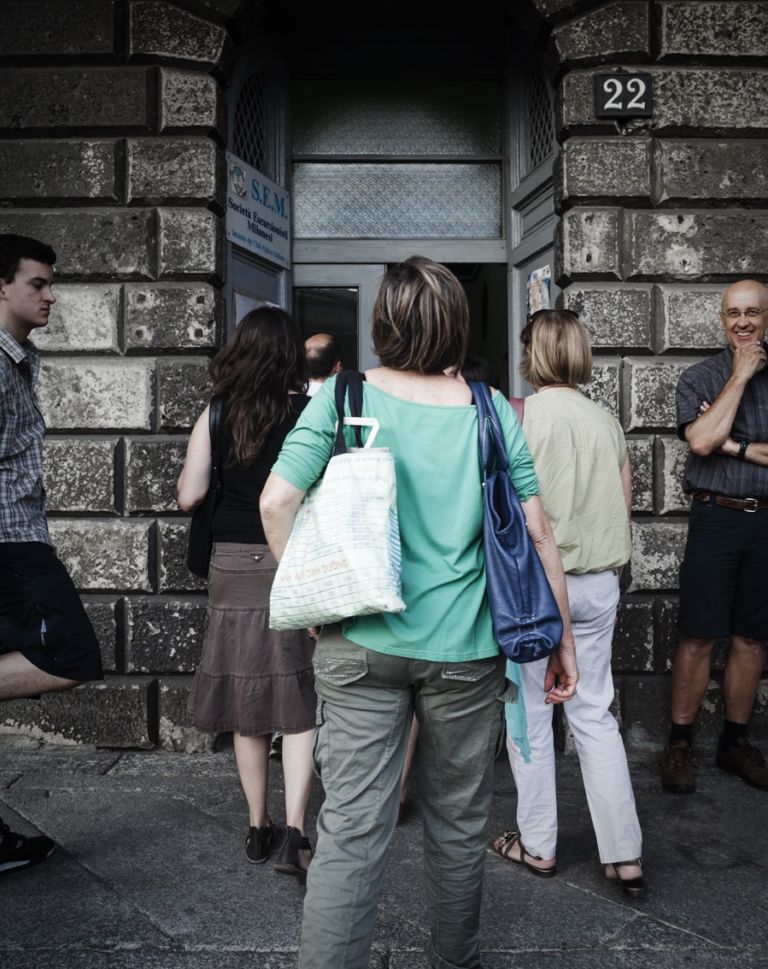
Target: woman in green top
437,659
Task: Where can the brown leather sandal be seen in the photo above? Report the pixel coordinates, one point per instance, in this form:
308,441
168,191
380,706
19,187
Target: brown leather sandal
634,887
502,844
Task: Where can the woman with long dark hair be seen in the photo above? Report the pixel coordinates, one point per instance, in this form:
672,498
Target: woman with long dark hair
252,680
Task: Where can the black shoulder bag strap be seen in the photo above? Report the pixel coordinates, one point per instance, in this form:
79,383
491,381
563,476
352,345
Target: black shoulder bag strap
348,382
214,429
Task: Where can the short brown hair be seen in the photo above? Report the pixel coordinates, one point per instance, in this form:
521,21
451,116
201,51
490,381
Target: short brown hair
421,317
556,349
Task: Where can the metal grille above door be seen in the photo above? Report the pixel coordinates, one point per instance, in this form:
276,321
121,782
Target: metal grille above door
541,128
252,135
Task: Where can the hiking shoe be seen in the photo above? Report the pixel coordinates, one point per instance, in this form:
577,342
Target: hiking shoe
746,761
678,771
17,851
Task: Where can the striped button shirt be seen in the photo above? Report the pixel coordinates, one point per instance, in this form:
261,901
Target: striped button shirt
22,429
719,473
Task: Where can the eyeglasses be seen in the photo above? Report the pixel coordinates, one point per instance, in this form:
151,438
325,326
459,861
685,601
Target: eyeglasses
751,314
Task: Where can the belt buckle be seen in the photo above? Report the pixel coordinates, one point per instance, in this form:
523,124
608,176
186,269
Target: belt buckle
754,504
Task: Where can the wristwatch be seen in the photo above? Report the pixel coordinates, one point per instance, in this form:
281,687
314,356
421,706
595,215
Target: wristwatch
743,445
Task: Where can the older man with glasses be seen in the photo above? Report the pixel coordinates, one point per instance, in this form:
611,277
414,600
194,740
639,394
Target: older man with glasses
722,412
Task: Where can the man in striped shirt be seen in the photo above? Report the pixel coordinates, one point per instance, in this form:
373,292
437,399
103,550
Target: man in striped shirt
722,412
46,640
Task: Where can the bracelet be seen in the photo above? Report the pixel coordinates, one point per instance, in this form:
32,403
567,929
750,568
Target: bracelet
743,445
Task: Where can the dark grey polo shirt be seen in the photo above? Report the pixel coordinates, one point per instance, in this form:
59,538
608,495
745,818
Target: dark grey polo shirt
719,473
22,429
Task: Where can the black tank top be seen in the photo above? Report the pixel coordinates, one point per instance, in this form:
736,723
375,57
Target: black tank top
237,517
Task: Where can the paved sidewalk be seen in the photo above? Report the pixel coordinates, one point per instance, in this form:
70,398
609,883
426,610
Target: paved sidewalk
151,874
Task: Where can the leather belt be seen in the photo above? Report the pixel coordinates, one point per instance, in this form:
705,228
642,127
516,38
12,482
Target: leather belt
740,504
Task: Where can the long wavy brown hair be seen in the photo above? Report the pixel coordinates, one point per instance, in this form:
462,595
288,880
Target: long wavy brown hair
260,364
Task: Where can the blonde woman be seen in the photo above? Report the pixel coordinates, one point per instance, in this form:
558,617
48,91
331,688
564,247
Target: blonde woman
584,476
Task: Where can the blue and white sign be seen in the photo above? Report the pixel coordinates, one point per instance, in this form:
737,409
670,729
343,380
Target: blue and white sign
258,213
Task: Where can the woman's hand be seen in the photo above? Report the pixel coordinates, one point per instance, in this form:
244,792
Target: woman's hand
562,675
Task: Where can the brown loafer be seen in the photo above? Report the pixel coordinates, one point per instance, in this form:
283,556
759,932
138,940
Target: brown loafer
678,774
746,761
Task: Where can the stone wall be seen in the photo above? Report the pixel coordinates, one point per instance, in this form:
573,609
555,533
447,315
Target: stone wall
111,125
657,216
111,149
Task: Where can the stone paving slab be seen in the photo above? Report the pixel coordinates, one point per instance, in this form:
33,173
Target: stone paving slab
151,860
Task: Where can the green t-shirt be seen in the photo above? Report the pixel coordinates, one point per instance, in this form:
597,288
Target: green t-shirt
439,506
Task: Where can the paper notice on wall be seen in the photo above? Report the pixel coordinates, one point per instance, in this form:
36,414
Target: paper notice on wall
539,289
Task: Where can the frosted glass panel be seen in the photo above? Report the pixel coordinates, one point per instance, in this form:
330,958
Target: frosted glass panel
396,118
378,201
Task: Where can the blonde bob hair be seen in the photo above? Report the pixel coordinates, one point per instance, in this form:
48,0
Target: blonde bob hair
556,349
420,318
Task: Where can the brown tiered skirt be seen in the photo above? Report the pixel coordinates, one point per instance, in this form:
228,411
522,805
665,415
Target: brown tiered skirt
251,678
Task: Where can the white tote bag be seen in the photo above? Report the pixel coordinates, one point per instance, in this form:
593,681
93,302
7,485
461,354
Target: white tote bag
343,555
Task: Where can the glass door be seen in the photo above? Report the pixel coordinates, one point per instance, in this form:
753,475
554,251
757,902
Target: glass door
338,299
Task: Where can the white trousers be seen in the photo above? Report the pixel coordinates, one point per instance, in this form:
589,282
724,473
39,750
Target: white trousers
593,599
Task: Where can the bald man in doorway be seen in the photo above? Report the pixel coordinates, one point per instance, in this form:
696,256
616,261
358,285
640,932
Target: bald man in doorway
323,360
722,412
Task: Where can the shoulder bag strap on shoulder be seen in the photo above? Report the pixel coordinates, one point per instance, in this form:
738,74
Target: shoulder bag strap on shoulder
348,381
493,449
214,429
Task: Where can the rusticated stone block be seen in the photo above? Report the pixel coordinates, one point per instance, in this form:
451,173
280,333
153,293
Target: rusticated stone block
606,168
617,316
714,29
61,98
710,101
89,393
673,454
80,474
657,553
176,729
732,171
680,245
652,391
57,169
689,317
189,100
103,616
614,31
174,576
104,555
90,242
152,466
117,713
191,243
39,28
175,316
640,452
158,29
164,169
165,636
633,638
604,388
184,392
590,243
84,317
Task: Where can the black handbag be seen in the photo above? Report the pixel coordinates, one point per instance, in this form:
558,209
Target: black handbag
526,619
200,538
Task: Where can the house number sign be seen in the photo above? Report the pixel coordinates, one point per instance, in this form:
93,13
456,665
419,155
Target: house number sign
624,96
